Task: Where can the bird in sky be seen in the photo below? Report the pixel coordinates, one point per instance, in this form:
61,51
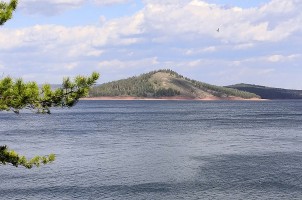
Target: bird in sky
218,30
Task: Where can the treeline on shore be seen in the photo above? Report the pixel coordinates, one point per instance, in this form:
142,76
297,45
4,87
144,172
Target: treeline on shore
142,86
269,92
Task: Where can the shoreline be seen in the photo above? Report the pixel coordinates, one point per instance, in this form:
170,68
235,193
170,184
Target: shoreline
176,98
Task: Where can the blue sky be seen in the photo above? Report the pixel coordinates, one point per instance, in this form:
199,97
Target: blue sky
259,41
239,3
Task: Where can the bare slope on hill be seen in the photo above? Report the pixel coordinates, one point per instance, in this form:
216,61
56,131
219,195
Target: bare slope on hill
166,83
269,92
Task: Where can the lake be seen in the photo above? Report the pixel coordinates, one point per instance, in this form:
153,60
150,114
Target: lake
158,150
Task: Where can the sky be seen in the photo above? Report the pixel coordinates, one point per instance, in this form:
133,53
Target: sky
259,41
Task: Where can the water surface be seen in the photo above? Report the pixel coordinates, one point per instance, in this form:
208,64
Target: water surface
158,150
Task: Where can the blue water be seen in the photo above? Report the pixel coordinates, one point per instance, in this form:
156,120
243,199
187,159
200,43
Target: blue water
158,150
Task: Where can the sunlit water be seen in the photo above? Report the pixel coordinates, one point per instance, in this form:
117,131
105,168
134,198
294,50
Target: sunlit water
158,150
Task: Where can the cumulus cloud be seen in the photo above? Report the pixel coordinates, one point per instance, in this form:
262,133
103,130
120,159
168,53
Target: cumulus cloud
236,24
81,38
196,19
177,34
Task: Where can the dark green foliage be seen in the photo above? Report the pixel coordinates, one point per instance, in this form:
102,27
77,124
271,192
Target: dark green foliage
215,90
134,86
137,86
269,92
6,10
11,157
166,92
142,86
17,95
223,91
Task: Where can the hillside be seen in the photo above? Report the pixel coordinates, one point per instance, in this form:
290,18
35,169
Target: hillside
268,92
166,83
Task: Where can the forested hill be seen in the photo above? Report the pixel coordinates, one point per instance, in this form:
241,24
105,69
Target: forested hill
166,83
269,92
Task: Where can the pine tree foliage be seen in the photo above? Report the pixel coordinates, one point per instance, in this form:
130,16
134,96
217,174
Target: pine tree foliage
6,10
11,157
16,95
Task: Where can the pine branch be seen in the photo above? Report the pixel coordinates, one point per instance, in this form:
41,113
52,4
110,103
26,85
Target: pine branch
6,10
11,157
17,95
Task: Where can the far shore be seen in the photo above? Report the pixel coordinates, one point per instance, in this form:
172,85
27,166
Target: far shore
175,98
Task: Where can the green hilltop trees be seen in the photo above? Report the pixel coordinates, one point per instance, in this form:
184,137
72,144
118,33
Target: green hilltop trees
16,95
143,86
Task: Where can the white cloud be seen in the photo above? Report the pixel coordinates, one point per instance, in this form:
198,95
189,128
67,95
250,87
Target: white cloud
71,66
80,40
236,25
282,58
279,6
122,64
110,2
196,19
275,58
177,34
244,46
266,60
209,49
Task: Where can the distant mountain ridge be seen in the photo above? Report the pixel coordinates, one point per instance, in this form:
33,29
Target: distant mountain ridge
268,92
166,83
